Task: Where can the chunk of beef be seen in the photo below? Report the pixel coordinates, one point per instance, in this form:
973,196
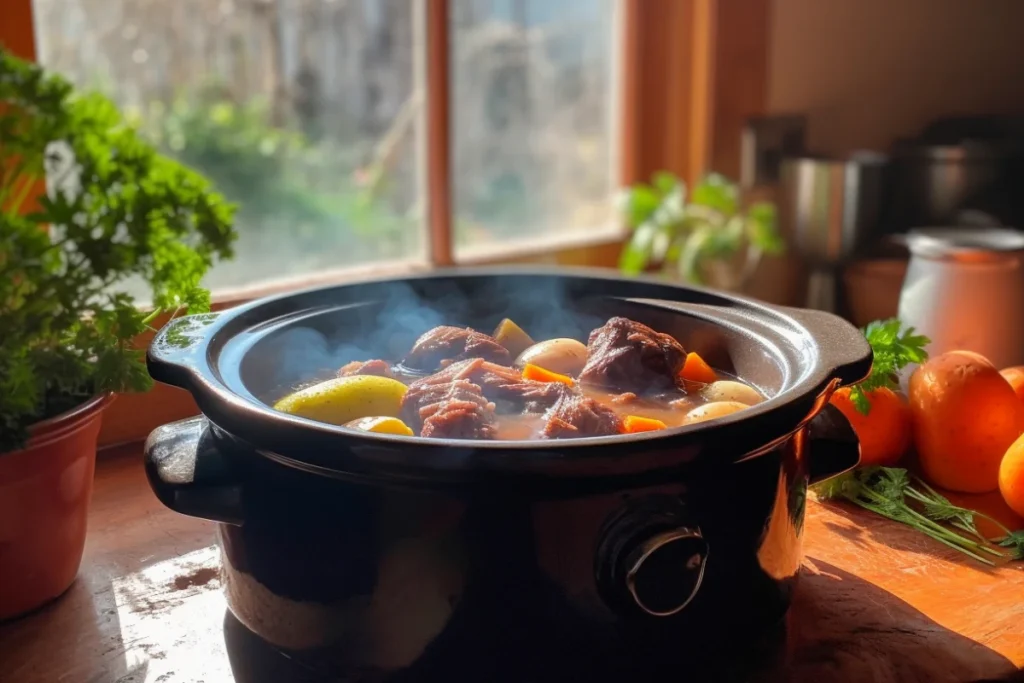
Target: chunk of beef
501,383
575,415
452,410
448,343
628,356
366,367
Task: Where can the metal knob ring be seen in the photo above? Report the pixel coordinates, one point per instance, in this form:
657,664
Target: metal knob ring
646,551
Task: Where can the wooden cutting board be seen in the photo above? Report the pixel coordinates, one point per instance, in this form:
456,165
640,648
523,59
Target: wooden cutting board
881,602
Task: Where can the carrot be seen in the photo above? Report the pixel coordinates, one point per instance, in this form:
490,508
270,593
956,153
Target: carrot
633,424
697,371
884,433
539,374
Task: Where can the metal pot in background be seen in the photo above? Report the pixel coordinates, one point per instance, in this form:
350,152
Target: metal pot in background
958,172
936,181
831,210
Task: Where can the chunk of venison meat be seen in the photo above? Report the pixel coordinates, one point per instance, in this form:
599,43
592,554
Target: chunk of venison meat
366,367
575,415
628,356
446,343
448,410
501,383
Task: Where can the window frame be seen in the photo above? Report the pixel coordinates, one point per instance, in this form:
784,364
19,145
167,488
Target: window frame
719,77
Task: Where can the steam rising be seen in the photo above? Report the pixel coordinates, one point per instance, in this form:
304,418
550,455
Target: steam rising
388,318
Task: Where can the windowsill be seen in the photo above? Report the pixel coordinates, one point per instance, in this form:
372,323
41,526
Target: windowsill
536,249
228,297
544,245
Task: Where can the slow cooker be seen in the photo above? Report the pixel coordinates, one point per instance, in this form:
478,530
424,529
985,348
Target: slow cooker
392,558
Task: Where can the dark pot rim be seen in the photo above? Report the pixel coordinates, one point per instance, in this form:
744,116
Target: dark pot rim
823,351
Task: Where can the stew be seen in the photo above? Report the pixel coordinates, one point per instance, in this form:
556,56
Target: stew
459,383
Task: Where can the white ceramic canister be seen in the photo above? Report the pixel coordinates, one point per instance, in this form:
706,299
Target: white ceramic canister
964,289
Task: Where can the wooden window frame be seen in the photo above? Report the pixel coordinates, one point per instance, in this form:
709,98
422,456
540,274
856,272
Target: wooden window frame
690,72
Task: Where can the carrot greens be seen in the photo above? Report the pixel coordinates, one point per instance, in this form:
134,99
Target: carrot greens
894,348
894,493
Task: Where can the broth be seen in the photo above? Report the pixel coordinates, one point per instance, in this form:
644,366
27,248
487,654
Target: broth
460,383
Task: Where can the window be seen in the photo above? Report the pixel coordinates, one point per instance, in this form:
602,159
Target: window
304,112
310,115
533,119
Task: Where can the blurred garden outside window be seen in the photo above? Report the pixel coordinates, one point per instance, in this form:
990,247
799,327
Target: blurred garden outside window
311,115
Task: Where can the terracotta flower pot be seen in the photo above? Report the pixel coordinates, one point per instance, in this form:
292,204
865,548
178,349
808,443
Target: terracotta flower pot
872,289
44,503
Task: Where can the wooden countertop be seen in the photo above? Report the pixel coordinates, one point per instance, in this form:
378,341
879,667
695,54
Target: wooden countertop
878,602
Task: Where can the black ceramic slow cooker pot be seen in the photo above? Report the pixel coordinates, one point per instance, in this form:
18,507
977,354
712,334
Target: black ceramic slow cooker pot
392,558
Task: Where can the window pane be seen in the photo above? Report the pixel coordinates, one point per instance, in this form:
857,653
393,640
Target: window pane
301,111
532,118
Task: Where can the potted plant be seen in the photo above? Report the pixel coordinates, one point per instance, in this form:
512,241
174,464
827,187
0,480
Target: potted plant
705,237
114,213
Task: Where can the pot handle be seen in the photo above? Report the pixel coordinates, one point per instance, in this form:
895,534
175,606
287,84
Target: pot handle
190,475
833,447
845,352
170,355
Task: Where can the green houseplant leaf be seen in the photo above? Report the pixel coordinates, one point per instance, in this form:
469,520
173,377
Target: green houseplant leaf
762,229
684,235
716,192
639,204
657,214
114,209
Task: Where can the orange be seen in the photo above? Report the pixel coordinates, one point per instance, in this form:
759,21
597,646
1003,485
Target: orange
964,416
884,433
1015,376
1011,476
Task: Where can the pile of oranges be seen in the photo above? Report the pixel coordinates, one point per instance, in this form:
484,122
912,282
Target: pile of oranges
964,418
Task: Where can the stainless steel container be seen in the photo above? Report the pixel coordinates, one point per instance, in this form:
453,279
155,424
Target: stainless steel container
964,289
935,183
830,209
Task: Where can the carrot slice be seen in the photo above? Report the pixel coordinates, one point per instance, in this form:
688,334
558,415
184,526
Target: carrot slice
631,424
539,374
697,371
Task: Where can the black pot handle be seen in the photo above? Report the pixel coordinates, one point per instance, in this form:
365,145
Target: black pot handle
844,350
170,355
190,475
833,447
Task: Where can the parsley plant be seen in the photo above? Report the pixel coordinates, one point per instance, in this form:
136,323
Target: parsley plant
114,209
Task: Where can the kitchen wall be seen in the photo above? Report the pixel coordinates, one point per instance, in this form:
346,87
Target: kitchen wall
868,71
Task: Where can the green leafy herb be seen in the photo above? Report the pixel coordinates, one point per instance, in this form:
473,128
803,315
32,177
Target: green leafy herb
894,348
894,493
1014,540
115,209
681,234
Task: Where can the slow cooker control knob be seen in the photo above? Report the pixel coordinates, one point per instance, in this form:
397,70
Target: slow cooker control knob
651,559
665,571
